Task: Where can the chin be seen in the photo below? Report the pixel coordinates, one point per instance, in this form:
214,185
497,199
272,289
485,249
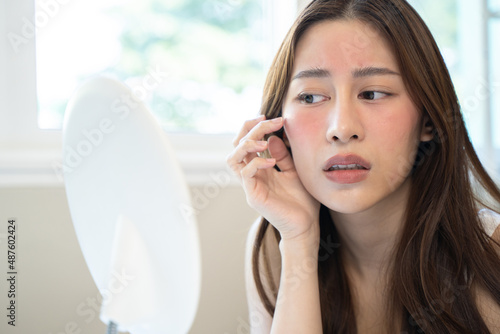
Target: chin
347,208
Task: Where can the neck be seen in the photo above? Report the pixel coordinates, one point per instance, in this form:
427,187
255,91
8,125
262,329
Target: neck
369,237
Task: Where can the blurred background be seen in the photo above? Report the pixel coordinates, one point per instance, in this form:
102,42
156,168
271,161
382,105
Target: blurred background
200,67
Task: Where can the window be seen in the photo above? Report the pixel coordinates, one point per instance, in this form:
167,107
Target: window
494,42
202,60
461,30
28,153
494,6
31,156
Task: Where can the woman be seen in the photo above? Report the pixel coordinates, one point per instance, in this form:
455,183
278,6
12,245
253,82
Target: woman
371,223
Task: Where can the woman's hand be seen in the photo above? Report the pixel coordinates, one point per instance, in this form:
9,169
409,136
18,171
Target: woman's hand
279,196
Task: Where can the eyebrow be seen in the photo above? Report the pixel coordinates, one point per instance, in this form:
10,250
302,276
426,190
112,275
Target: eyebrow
357,73
372,71
312,73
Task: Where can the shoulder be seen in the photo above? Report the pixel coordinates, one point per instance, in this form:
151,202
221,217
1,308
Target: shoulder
488,307
270,249
260,319
252,234
491,225
491,221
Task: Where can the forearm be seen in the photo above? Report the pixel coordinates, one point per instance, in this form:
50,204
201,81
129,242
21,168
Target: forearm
298,307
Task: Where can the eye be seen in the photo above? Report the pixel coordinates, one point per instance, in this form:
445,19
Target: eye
307,98
372,95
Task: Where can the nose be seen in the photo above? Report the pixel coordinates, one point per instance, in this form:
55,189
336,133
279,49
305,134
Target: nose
344,123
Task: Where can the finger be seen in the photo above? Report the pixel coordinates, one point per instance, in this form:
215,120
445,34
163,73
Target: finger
247,126
244,153
263,128
251,169
251,148
280,152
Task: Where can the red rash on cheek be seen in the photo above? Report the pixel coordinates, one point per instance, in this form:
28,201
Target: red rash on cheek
302,125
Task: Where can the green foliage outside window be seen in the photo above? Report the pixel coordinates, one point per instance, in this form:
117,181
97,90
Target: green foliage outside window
210,50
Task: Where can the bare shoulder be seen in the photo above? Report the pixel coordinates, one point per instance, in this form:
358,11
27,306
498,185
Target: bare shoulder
260,319
490,220
496,237
488,307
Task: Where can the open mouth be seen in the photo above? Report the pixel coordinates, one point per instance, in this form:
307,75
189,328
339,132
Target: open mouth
346,162
346,167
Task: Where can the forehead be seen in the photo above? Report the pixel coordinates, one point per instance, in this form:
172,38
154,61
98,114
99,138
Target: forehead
338,44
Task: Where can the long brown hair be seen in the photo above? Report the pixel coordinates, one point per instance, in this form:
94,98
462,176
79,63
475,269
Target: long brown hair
443,245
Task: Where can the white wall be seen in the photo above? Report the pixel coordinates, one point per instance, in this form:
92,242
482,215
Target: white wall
53,280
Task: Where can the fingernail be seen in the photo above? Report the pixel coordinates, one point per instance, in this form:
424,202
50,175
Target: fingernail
262,143
277,120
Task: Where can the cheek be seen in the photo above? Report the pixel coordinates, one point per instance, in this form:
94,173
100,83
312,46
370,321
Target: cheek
302,127
303,132
398,129
399,144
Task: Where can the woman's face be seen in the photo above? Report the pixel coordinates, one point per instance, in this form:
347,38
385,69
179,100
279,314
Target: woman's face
351,125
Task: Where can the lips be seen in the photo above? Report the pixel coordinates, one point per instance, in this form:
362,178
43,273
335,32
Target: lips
346,169
346,162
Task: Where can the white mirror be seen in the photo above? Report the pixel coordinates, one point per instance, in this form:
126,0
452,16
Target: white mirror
126,192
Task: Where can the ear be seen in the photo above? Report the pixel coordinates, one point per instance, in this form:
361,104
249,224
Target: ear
427,132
